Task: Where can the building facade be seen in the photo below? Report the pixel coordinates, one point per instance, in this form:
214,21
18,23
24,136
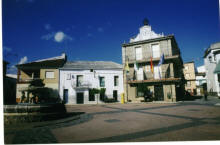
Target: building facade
45,69
79,78
200,80
211,61
143,75
190,77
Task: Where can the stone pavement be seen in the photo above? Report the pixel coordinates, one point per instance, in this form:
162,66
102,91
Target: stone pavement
185,121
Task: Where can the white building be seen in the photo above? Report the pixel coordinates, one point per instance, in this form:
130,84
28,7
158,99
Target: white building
211,61
200,79
79,77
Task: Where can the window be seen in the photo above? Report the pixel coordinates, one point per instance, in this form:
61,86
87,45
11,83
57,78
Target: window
91,70
140,74
155,50
49,74
68,76
219,78
210,58
102,81
79,80
91,95
115,80
138,53
141,88
186,67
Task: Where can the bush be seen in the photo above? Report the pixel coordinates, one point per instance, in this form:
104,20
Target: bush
213,94
43,94
109,100
102,94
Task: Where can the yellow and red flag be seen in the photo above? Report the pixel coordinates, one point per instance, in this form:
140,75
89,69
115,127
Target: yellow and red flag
151,65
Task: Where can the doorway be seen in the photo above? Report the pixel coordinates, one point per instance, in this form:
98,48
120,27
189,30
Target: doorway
80,98
158,93
115,95
65,95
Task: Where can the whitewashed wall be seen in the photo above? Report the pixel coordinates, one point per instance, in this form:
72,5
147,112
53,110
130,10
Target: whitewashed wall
200,79
91,78
212,78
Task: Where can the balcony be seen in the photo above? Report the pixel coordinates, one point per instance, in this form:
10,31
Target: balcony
26,80
81,85
149,77
148,59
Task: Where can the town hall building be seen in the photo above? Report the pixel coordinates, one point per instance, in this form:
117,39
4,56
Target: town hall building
152,67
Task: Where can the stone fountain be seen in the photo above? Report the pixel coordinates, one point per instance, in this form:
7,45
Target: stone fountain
35,108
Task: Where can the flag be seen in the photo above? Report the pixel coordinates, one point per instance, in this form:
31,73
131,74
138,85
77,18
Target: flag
161,60
127,66
159,73
136,67
151,65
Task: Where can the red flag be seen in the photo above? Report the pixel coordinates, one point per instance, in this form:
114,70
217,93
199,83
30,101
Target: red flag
151,65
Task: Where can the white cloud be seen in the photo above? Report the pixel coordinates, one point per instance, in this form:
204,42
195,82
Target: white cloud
57,36
8,49
23,60
100,29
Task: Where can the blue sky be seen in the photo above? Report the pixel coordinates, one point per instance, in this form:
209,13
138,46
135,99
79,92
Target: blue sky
95,29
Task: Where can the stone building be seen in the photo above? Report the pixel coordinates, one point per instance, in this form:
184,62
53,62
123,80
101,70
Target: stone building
212,66
190,77
143,75
79,78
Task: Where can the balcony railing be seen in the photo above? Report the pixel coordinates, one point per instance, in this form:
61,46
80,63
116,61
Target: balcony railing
27,80
84,84
149,76
143,57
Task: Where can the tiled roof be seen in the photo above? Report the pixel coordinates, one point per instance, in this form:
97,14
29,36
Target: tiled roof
91,65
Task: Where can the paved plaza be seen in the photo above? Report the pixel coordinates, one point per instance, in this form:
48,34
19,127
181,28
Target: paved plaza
144,122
